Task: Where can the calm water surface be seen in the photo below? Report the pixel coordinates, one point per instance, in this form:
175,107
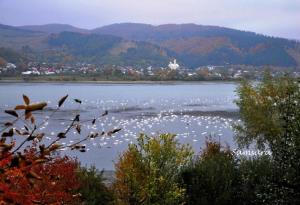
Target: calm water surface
192,111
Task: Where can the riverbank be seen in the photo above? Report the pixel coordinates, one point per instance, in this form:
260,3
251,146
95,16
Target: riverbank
104,79
108,81
119,82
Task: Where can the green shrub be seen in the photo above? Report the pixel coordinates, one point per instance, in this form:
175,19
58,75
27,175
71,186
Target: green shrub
256,180
212,178
92,189
270,114
148,172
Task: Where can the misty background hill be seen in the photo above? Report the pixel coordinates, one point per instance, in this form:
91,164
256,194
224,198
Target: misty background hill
54,28
143,45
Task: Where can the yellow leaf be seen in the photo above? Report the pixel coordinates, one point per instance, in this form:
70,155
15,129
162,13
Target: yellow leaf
20,107
54,147
37,106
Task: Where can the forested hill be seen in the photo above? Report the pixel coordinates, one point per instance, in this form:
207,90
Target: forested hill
107,49
201,45
54,28
143,44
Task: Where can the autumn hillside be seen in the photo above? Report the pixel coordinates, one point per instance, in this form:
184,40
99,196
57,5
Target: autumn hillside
145,45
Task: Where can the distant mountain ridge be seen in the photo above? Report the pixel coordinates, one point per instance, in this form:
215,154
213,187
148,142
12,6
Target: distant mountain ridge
201,45
54,28
143,44
72,47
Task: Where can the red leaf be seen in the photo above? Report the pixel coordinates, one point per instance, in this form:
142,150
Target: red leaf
26,100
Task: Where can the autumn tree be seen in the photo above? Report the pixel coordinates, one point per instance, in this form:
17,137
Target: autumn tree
31,172
270,115
148,172
53,182
212,177
92,189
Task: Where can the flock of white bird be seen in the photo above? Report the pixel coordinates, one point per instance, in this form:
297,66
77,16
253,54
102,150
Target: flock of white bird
151,118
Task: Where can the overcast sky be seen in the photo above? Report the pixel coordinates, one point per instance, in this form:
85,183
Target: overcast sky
271,17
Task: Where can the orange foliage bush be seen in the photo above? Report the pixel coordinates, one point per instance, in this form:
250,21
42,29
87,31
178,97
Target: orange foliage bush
34,182
37,175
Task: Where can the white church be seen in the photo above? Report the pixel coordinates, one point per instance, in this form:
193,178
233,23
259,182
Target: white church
173,65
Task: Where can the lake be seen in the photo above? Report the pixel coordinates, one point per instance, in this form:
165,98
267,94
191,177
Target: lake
192,111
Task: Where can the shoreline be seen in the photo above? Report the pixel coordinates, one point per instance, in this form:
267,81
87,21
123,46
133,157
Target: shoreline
147,82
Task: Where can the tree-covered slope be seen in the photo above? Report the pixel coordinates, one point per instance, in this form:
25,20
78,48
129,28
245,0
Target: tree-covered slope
201,45
107,49
54,28
143,44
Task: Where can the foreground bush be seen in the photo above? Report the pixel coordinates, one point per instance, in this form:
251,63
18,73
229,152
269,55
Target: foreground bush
219,177
270,112
92,189
31,172
213,177
255,175
148,173
41,183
